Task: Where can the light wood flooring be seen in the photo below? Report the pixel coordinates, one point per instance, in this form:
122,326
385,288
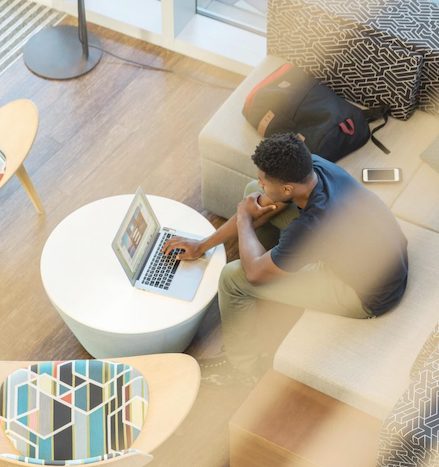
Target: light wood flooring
101,135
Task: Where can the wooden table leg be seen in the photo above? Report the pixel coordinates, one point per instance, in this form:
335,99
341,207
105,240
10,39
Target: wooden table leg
30,189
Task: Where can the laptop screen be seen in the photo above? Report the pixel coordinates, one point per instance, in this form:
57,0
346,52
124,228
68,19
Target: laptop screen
136,235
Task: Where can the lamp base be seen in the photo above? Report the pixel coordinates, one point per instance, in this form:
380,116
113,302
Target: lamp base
56,53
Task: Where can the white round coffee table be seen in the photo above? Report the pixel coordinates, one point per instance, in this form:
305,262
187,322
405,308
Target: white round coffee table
87,285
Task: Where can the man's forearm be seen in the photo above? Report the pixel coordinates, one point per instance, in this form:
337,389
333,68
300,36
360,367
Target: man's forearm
229,230
250,248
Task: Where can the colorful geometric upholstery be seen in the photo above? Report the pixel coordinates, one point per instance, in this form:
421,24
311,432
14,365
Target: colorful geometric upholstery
80,409
90,460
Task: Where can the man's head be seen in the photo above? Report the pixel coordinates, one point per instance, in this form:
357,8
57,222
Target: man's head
285,167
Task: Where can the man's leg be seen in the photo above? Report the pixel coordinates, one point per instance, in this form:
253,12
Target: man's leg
314,286
245,326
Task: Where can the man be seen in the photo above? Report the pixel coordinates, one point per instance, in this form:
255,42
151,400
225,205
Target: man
312,237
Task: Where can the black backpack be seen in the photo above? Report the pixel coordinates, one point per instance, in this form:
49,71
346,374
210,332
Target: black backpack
289,100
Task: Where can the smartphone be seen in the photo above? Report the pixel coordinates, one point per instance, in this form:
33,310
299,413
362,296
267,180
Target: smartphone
382,175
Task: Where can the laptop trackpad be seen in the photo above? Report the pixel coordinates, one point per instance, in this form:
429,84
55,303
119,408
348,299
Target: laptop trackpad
187,279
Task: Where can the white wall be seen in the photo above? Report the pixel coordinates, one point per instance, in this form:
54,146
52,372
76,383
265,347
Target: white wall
196,36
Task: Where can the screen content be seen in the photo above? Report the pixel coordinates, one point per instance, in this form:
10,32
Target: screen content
385,174
137,236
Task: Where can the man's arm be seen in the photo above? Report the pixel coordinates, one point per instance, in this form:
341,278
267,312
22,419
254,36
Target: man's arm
261,210
258,266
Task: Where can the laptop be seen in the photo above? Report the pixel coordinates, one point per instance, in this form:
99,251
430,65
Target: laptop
138,244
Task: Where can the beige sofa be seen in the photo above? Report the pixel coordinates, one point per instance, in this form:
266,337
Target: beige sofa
363,363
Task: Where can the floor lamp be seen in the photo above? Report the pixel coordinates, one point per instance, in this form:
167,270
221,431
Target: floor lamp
62,52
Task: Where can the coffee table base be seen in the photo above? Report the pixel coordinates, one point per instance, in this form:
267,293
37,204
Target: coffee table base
103,344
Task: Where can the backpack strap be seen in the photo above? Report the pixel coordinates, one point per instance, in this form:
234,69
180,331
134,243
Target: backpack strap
376,113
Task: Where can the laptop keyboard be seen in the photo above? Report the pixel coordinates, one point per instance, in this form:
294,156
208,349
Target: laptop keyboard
162,268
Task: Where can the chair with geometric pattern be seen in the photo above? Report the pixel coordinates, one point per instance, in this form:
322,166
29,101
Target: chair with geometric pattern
94,412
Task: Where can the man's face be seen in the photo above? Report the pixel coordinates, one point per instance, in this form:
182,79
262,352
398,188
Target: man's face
275,189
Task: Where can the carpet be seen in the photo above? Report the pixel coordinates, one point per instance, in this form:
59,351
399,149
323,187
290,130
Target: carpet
19,20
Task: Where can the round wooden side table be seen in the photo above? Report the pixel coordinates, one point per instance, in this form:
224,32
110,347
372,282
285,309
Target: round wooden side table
18,128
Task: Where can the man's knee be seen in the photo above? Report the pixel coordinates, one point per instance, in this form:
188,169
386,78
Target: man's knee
252,187
232,277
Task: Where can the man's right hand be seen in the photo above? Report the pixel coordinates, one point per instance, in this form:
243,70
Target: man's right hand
193,249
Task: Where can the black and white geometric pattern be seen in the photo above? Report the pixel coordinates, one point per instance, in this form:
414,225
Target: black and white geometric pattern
431,345
410,434
369,51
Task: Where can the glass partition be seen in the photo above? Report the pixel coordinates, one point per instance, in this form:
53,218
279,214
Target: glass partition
247,14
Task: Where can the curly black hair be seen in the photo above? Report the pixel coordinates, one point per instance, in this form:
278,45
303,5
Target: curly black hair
284,157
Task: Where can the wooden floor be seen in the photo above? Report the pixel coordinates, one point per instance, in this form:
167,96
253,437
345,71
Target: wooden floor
104,134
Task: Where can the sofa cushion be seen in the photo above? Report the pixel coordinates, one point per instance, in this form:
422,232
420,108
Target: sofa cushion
74,409
406,141
366,363
431,154
228,138
419,201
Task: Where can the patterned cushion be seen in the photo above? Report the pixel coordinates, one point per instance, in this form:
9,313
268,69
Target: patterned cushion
410,434
74,409
366,50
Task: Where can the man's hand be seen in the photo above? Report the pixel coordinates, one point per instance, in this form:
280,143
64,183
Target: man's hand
250,206
193,249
